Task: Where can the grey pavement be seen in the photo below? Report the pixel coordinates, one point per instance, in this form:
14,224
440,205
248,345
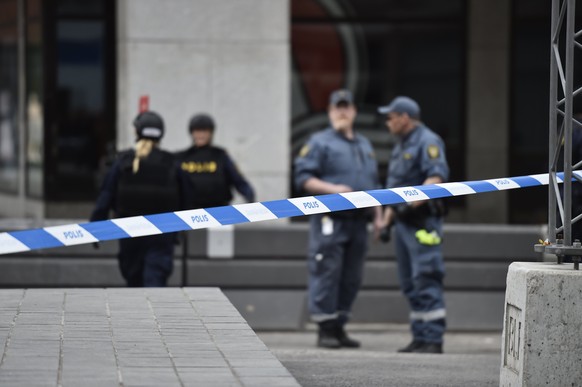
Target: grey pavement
195,337
131,337
470,359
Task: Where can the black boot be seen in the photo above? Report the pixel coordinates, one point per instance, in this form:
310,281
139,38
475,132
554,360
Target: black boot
327,337
412,347
429,348
344,340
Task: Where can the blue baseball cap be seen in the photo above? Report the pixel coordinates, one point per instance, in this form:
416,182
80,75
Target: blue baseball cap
341,95
402,104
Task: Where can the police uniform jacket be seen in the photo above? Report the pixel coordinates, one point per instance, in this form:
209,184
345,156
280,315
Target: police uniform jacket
417,156
212,174
331,157
158,186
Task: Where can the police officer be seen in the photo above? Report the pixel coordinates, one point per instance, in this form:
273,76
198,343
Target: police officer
337,160
211,171
418,158
142,181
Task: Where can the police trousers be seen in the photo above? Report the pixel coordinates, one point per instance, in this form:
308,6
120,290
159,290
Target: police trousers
146,261
336,254
421,272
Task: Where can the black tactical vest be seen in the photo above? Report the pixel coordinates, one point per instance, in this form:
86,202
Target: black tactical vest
206,168
153,189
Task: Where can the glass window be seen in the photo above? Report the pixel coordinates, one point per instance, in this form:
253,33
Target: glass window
530,81
80,8
414,48
79,96
34,98
9,134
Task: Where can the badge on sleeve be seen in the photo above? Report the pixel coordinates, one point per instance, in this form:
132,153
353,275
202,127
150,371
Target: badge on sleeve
304,151
433,151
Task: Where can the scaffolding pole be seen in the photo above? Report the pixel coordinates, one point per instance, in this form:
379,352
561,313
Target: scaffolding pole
563,44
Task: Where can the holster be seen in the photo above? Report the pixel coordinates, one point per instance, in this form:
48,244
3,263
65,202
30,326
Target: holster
359,213
416,216
412,216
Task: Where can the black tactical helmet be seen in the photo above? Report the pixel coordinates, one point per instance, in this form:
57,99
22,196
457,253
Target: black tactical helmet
201,121
150,125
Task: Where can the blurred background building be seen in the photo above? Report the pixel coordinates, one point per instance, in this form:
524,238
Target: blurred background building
72,74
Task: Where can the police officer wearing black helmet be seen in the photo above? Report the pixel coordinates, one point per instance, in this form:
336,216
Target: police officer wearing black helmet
142,181
212,172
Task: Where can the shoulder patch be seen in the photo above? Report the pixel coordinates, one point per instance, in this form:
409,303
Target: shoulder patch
433,151
304,151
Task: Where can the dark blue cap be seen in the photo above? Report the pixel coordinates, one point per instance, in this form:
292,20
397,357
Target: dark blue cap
341,95
401,105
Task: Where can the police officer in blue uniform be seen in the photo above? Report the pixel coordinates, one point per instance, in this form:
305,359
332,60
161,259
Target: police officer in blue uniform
211,171
418,158
142,181
337,160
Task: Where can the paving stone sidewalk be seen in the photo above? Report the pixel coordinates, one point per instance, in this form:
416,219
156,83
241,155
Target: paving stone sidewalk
131,337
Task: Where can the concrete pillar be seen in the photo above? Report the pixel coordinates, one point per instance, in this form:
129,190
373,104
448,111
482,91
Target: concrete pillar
542,344
488,105
229,58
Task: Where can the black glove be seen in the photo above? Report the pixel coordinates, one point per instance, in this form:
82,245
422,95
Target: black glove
96,245
385,234
439,207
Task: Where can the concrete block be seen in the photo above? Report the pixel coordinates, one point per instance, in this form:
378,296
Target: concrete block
245,77
250,20
542,345
148,19
474,310
221,242
275,309
175,76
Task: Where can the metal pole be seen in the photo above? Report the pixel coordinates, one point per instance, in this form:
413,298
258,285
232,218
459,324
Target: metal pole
553,124
569,89
562,74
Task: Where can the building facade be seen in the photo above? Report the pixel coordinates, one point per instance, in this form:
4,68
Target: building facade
72,75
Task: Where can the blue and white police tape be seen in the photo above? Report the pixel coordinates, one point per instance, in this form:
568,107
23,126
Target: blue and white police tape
137,226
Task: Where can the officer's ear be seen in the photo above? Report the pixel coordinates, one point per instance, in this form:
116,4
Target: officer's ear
407,117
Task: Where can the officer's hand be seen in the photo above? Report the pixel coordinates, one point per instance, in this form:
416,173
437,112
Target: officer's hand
342,188
417,203
379,225
96,245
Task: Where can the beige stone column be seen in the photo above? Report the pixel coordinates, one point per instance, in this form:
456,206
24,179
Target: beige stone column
229,58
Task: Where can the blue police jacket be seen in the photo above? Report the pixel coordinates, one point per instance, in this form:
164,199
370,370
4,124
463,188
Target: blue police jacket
415,157
330,156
